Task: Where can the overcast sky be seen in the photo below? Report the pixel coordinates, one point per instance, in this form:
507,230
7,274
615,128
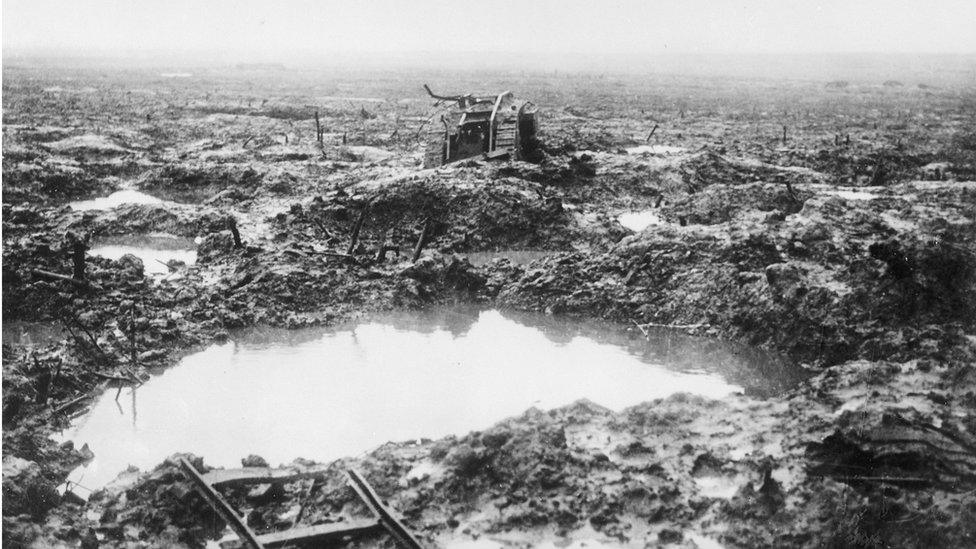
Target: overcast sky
271,28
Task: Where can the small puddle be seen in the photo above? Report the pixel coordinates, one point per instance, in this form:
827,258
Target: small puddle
656,149
324,393
717,486
31,334
638,221
519,257
153,250
115,199
853,195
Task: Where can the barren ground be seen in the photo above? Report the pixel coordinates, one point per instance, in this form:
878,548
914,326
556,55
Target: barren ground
849,247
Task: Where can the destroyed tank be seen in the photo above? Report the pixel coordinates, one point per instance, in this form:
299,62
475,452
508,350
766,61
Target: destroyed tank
490,127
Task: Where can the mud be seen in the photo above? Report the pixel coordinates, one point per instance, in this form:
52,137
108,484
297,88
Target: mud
854,259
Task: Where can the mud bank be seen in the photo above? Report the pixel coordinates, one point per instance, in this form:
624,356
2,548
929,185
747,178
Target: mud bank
870,288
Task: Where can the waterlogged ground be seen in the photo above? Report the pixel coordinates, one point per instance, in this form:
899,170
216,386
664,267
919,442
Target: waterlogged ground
323,394
156,252
117,198
666,201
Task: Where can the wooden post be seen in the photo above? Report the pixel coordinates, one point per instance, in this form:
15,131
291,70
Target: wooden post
650,135
381,251
133,351
318,128
422,240
78,249
354,239
232,223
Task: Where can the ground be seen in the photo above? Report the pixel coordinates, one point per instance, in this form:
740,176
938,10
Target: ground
834,225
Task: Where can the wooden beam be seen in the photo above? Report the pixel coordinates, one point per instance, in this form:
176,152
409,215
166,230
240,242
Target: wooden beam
81,283
320,534
247,536
392,525
257,475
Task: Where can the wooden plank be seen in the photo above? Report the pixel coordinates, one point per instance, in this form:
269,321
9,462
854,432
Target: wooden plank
257,475
396,529
219,504
322,533
81,283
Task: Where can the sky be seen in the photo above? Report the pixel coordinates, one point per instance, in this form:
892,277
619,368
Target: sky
277,29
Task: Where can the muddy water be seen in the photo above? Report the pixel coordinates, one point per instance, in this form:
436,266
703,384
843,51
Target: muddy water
519,257
115,199
153,250
327,393
638,221
31,334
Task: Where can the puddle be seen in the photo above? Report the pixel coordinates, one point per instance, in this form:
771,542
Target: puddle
153,250
519,257
115,199
638,221
31,334
717,486
656,149
703,542
853,195
327,393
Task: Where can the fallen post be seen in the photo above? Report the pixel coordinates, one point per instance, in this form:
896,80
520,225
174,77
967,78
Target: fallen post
110,377
69,404
79,282
642,329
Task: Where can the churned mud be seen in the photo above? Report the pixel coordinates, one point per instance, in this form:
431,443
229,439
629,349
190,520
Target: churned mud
211,219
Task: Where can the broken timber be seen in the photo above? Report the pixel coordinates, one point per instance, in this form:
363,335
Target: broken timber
80,282
383,519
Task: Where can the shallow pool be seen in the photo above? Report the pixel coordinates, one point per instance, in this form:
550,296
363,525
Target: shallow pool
519,257
638,221
156,251
322,394
117,198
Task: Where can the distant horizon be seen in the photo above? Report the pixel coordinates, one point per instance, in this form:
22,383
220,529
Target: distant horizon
949,69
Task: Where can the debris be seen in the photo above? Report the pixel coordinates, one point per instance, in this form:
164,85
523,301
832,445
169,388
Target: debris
491,126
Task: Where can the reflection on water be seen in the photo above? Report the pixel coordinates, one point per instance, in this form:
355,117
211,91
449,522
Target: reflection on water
327,393
115,199
153,250
31,334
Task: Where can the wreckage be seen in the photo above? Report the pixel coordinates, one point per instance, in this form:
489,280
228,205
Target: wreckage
498,126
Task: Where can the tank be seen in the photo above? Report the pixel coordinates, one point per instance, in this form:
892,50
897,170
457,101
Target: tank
490,127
